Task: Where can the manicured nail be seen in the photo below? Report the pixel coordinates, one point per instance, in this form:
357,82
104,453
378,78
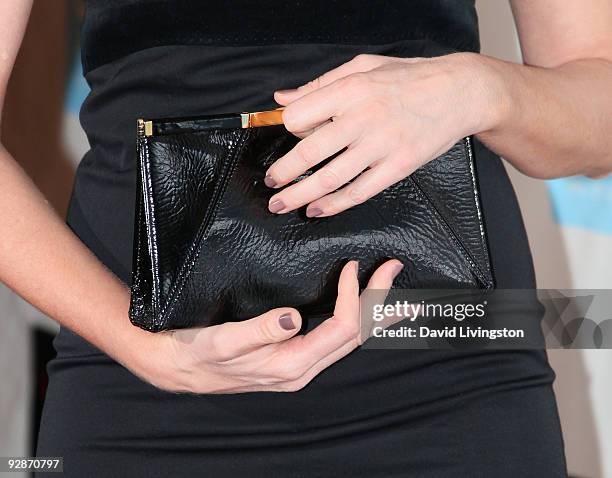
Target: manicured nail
313,212
269,181
276,206
286,322
287,92
397,269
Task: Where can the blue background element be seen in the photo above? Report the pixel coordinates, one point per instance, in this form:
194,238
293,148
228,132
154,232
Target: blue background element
77,88
582,202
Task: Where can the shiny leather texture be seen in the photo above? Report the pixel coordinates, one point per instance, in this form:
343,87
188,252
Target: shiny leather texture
207,250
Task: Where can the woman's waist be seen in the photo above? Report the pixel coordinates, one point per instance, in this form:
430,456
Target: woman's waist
195,80
198,77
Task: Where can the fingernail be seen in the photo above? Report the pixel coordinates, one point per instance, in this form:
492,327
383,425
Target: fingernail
313,212
269,181
286,322
276,206
397,269
356,267
286,92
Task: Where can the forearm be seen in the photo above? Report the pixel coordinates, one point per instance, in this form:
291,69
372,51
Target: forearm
44,262
550,122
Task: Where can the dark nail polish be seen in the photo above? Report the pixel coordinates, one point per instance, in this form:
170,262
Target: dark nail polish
268,181
276,206
286,322
313,212
397,269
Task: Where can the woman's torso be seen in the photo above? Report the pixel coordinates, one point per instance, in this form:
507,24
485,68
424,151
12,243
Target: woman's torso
115,28
146,58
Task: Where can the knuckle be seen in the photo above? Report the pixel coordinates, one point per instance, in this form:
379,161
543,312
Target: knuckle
351,329
218,348
328,179
356,194
362,59
290,119
308,153
405,168
266,331
221,352
348,328
402,163
313,84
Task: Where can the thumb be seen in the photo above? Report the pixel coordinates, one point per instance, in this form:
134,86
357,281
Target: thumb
239,338
274,326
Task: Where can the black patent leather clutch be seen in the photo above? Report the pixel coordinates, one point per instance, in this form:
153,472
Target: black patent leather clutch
207,250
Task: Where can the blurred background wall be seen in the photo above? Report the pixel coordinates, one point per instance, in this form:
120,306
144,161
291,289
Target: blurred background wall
569,223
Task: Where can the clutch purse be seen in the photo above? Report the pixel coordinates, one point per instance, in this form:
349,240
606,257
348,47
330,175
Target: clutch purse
207,250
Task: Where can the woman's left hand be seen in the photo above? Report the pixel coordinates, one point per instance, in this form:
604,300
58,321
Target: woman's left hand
392,114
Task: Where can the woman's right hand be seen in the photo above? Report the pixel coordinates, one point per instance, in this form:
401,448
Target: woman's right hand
263,353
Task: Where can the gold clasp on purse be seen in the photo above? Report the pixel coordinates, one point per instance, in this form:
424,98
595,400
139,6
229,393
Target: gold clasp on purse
262,118
167,126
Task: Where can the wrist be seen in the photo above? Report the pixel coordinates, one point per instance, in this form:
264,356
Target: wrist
488,95
148,356
139,351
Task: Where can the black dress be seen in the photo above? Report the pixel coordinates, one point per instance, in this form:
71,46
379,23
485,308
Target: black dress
376,413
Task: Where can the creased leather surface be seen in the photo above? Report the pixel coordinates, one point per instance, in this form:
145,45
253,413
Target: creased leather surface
207,250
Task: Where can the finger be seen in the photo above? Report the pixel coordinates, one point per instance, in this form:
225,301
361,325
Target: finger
233,339
326,180
383,276
379,285
368,184
306,356
360,63
310,151
381,279
304,134
331,101
344,325
333,333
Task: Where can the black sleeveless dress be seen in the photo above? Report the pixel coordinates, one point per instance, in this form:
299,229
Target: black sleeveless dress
376,413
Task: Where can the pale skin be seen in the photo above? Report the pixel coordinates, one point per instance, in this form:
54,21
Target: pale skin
549,118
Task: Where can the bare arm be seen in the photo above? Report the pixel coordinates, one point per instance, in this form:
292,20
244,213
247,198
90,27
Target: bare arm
40,257
43,261
557,119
